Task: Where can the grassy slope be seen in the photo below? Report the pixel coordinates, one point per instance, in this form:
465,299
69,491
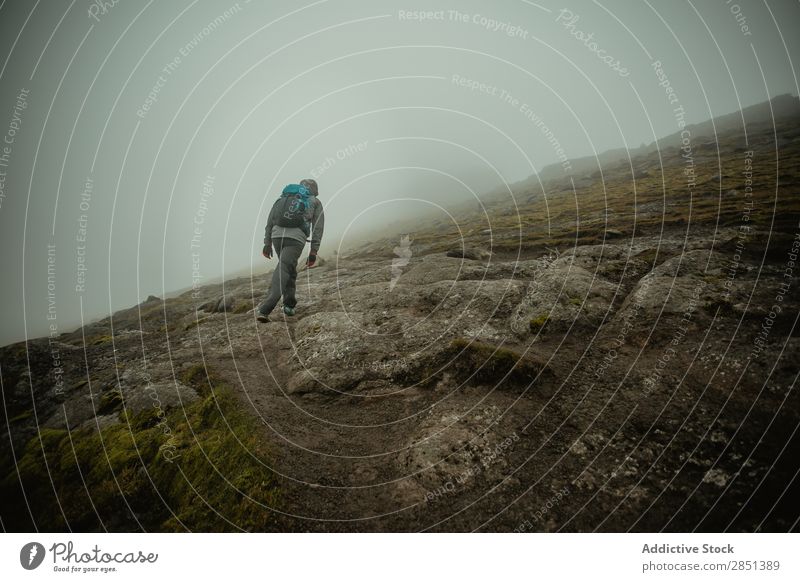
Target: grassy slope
105,479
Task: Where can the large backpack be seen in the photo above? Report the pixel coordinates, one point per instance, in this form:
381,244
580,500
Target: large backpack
293,206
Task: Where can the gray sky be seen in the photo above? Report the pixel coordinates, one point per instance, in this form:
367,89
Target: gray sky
377,102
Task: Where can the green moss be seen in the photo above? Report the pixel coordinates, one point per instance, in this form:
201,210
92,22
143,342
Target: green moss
110,400
485,363
160,473
649,256
201,377
575,301
537,324
21,416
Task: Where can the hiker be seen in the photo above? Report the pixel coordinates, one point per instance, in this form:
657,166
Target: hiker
295,216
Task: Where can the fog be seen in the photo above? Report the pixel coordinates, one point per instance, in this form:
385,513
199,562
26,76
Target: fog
146,142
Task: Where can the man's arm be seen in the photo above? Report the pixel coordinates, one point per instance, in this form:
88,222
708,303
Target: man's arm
267,251
317,227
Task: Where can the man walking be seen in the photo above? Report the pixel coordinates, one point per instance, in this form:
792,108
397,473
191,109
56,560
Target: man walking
295,216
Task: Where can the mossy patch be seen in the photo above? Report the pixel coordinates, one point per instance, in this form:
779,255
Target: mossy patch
652,257
21,416
110,401
485,363
201,468
202,378
538,324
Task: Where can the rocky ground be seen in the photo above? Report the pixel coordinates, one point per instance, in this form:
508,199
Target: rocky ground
636,377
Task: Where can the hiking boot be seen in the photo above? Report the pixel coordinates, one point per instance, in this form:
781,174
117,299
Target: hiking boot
262,317
288,310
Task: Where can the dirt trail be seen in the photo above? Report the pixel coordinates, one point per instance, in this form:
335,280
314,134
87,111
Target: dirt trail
346,462
343,460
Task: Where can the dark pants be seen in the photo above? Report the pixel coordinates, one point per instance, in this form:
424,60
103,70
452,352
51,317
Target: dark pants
284,276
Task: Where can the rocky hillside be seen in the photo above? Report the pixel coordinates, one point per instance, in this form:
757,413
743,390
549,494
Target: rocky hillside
605,353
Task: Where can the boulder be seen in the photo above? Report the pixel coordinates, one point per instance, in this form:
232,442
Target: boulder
76,410
454,448
162,396
563,296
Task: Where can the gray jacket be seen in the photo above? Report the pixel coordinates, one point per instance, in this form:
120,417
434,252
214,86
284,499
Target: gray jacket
315,215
